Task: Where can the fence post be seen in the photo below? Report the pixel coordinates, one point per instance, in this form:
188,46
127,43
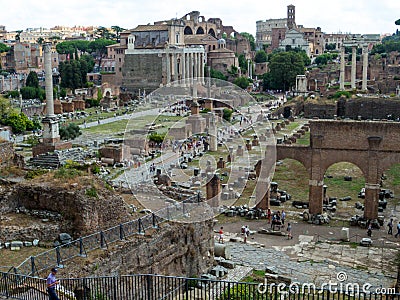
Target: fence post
5,275
58,257
33,265
149,288
121,232
81,248
154,220
102,240
140,227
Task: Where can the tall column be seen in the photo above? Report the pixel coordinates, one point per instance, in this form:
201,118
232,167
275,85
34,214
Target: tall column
342,66
365,67
195,75
191,66
183,65
316,195
371,200
353,66
48,81
176,67
187,64
168,67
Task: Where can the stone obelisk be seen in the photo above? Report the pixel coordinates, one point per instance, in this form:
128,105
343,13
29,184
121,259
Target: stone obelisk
50,122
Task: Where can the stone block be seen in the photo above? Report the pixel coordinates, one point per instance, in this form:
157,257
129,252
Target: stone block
17,244
35,242
227,264
14,248
28,244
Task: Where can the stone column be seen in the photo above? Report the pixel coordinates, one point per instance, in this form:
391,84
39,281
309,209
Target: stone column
213,188
371,200
191,66
365,67
342,66
175,64
316,195
353,66
168,67
48,80
183,64
187,65
195,74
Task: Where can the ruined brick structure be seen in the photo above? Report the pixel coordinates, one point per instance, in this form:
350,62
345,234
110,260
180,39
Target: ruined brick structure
371,146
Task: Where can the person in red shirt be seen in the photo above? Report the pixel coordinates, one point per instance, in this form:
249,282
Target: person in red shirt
221,235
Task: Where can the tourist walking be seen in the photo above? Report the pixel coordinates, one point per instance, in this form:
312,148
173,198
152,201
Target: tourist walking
246,233
51,284
390,225
283,216
369,230
398,230
289,231
221,235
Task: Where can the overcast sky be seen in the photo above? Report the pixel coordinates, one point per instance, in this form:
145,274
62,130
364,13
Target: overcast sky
362,16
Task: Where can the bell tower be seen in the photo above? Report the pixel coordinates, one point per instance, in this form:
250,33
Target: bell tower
291,16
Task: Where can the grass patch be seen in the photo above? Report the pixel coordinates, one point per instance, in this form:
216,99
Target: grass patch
108,128
304,140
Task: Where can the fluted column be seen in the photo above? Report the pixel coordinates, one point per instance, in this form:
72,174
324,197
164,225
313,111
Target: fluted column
353,66
48,80
365,67
342,66
195,75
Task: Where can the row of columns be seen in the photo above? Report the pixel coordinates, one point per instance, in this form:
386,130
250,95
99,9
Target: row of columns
354,67
188,65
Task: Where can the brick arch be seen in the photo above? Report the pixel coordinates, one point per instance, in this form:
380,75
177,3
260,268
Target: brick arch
188,30
200,30
356,158
301,154
388,161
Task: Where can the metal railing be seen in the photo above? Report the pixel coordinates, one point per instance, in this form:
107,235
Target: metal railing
57,256
151,287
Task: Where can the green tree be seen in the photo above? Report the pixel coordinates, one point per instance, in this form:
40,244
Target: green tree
4,48
28,92
117,31
260,57
227,114
242,82
397,22
18,35
217,74
32,80
99,94
69,132
103,32
40,41
19,122
99,47
250,38
284,67
157,137
242,63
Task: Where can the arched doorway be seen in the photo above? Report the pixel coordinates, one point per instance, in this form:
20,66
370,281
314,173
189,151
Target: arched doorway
343,183
188,30
292,177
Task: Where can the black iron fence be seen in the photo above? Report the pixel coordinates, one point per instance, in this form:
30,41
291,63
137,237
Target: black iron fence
152,287
57,256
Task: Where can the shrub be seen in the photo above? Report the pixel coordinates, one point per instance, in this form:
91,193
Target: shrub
91,192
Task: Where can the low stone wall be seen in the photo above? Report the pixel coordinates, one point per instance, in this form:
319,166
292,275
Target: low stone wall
173,249
81,213
6,153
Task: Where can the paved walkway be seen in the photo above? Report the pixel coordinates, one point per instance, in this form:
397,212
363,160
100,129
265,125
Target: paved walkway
308,261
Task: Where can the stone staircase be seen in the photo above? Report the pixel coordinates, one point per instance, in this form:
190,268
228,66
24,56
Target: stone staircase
58,158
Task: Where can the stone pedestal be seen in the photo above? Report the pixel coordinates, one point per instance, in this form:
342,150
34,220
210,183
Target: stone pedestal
248,145
239,150
255,141
213,191
221,163
371,201
316,197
